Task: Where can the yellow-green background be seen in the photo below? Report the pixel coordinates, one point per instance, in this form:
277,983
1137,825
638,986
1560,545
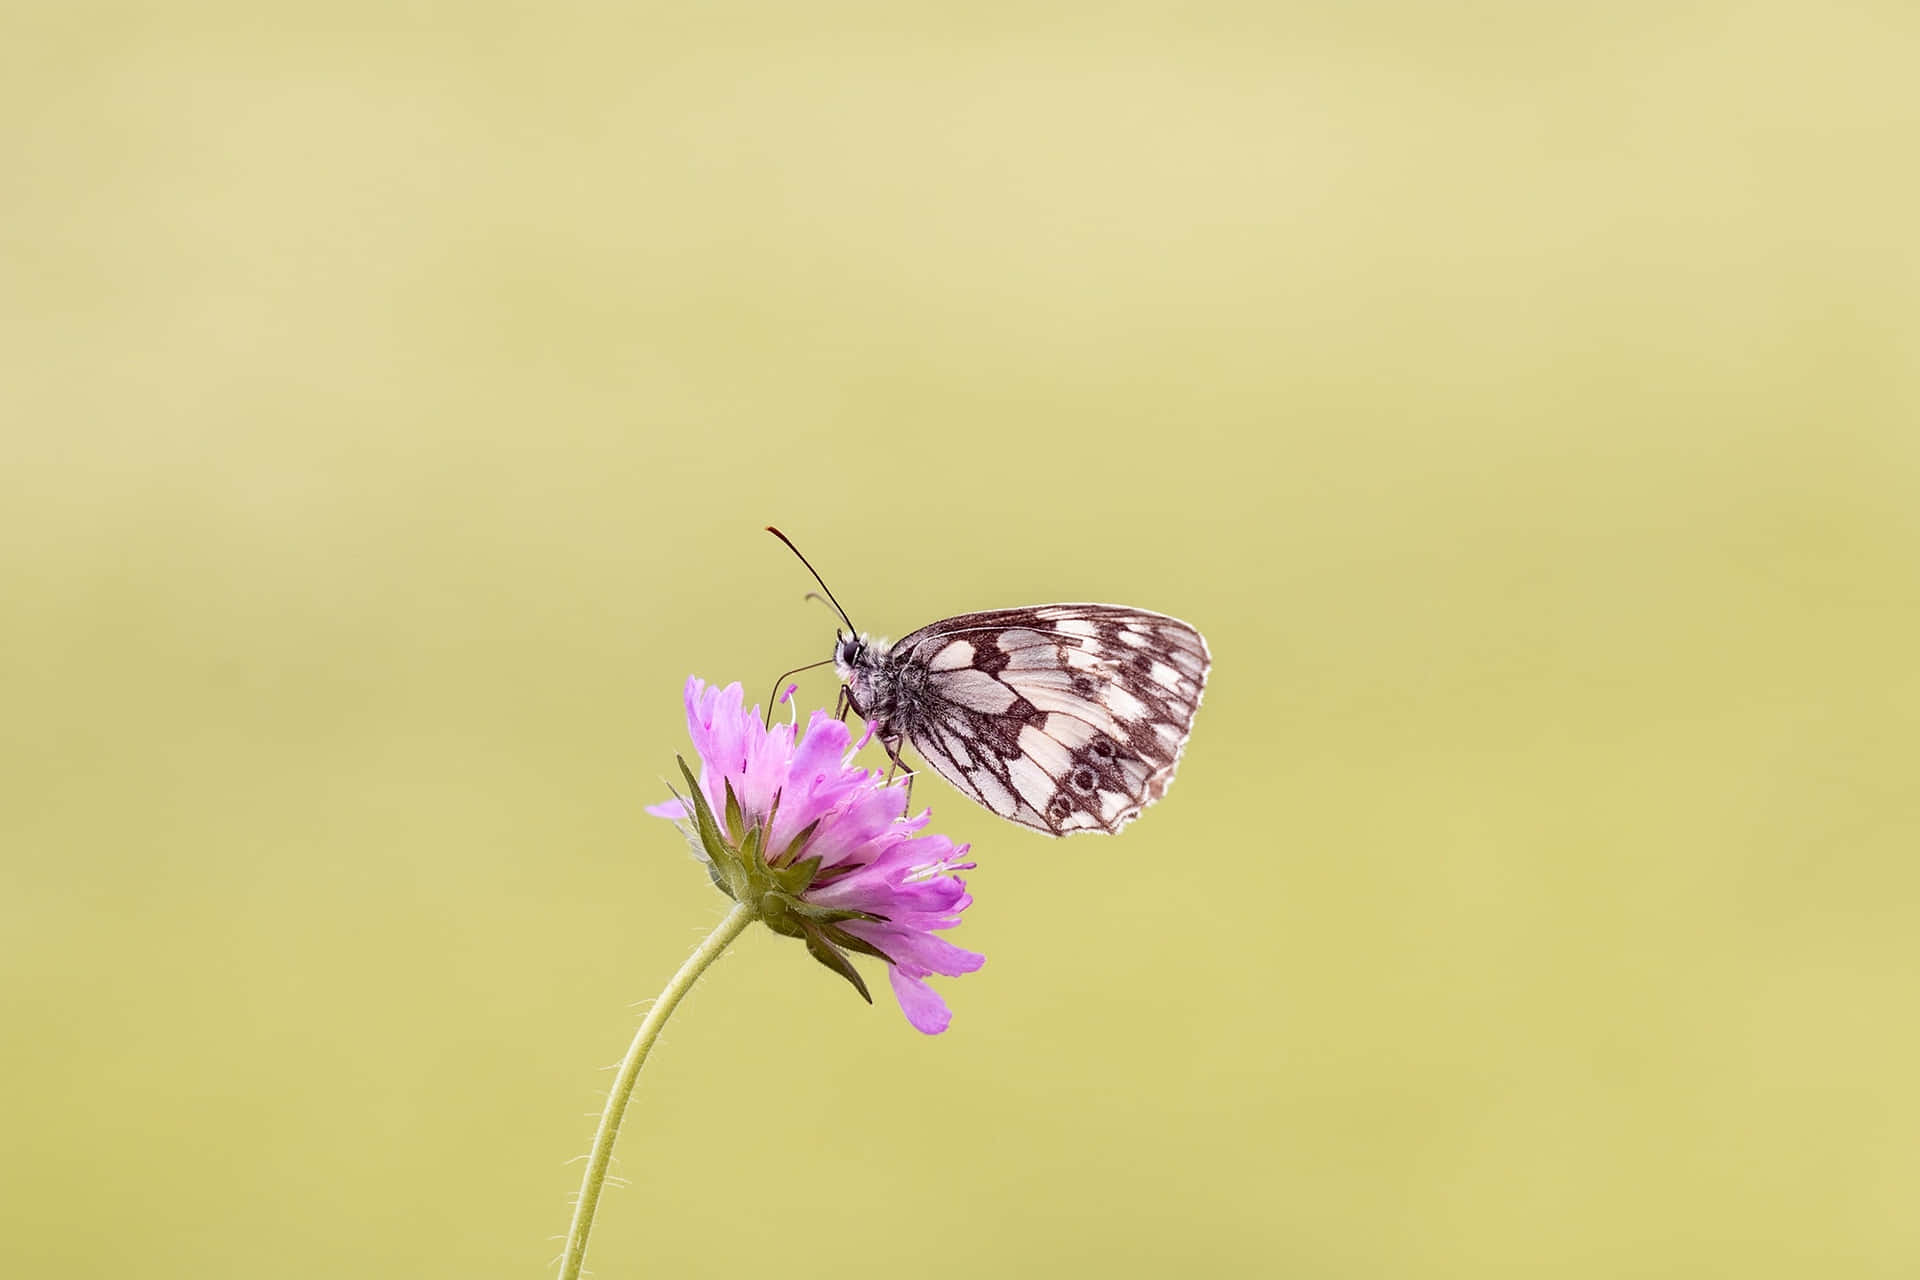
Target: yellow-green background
1523,398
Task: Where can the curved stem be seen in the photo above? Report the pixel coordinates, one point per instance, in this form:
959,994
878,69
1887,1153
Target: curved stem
622,1090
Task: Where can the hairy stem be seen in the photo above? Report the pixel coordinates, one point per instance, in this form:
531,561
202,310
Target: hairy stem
622,1090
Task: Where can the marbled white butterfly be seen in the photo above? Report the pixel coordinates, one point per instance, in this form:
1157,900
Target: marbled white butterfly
1060,717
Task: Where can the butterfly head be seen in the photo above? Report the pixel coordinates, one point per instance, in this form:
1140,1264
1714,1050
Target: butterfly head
852,653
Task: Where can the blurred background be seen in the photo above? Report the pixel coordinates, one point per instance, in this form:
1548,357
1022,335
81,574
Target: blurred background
1522,399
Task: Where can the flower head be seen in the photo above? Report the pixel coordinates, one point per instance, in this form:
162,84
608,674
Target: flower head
821,850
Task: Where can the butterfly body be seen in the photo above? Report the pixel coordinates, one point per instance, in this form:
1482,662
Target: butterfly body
1063,717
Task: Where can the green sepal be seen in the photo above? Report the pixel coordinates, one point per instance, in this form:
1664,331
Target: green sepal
822,950
723,864
773,808
777,912
799,842
702,811
700,853
736,820
831,915
796,878
750,849
692,835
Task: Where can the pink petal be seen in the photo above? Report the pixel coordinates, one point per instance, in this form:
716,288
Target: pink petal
822,750
916,949
924,1008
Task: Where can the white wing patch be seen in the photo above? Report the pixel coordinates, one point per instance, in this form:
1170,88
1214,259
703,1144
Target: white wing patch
1070,732
954,657
992,792
1047,751
973,689
1124,705
1031,779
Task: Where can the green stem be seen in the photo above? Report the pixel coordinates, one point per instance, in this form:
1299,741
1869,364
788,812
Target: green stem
583,1209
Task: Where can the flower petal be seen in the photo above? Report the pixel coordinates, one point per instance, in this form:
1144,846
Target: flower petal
924,1008
917,949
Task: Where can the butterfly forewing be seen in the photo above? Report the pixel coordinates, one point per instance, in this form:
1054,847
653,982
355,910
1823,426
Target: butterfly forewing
1063,717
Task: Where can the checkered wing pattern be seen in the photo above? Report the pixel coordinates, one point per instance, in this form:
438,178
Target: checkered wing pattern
1062,717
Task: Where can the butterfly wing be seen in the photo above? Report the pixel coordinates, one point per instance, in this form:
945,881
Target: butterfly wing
1063,717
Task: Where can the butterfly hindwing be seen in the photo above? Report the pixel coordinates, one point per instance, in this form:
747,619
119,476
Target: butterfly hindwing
1064,718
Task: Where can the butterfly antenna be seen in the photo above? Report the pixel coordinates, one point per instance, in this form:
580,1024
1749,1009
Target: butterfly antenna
816,577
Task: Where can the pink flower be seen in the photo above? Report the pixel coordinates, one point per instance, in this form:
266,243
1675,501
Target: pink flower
823,851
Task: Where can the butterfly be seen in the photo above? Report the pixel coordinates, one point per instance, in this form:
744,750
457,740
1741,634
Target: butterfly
1061,717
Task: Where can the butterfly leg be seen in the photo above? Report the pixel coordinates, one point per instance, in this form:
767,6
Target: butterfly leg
894,764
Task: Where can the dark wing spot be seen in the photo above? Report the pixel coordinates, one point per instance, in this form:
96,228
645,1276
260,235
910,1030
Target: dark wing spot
1085,779
1059,807
1024,712
1102,750
1145,743
1003,734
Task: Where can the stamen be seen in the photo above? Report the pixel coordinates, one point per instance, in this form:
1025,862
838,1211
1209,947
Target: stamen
944,867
